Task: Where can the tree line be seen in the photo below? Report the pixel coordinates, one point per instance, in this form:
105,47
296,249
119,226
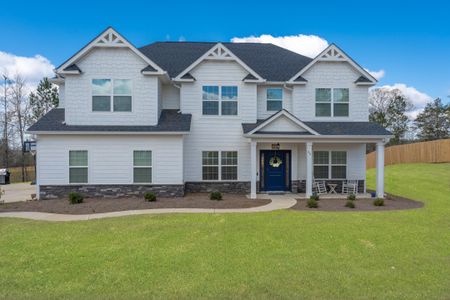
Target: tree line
19,109
390,108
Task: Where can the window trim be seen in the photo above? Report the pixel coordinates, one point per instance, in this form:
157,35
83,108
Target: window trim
111,96
219,166
331,102
280,100
78,167
330,164
220,101
143,167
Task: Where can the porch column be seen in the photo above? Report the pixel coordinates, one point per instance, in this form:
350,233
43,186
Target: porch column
253,169
309,169
380,170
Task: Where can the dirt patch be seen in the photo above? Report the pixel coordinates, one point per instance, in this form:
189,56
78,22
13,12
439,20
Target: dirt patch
391,202
101,205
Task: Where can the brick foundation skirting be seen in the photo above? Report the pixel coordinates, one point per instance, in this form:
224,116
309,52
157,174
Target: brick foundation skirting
111,191
234,187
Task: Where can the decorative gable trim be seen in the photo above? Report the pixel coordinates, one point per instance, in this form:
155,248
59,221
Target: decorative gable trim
334,54
218,53
109,38
279,114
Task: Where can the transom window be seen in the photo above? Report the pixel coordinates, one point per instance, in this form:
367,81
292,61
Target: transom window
330,164
220,100
274,99
78,166
332,102
142,166
219,165
111,95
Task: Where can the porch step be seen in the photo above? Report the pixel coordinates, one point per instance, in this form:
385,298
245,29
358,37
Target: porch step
276,193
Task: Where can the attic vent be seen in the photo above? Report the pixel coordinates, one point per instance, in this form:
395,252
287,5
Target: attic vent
109,39
219,54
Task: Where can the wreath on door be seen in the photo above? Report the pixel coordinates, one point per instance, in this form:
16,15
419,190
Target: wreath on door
275,162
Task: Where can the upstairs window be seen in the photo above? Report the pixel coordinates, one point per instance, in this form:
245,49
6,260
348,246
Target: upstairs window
332,102
220,100
111,95
274,99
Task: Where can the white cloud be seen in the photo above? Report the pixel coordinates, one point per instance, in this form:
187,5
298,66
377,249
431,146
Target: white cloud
32,69
308,45
376,74
418,99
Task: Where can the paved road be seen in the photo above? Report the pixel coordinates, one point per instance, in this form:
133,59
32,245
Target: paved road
17,192
278,202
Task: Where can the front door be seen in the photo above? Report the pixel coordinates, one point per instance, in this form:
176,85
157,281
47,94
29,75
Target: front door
275,170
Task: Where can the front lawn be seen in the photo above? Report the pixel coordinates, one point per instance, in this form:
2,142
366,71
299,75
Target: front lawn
283,254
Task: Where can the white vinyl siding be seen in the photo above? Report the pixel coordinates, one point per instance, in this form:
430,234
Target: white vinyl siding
78,166
142,166
219,165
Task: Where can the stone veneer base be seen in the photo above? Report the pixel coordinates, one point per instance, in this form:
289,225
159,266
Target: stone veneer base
111,191
234,187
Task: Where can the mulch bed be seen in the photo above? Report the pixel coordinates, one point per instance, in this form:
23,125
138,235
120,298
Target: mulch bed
391,202
100,205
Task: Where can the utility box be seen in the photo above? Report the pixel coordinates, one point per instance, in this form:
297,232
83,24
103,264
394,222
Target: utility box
4,176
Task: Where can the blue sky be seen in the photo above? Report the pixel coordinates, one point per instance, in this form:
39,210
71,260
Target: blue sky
409,41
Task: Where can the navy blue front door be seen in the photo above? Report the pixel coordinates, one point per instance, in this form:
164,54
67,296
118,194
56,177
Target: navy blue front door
275,170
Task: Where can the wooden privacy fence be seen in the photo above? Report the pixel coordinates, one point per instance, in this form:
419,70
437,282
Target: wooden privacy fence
424,152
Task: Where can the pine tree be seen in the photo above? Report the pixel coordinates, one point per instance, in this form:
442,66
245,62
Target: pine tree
44,99
434,122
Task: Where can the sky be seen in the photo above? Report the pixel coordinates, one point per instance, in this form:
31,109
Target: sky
405,45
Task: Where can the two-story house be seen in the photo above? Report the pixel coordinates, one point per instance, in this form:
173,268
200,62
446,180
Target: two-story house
176,117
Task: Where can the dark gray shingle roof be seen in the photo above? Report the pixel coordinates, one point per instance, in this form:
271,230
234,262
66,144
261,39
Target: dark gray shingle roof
362,79
73,67
149,69
271,62
169,121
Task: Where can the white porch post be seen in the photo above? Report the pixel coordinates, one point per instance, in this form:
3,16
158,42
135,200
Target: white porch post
253,169
309,169
380,170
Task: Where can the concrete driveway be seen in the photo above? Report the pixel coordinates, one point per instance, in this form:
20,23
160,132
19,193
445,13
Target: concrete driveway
17,192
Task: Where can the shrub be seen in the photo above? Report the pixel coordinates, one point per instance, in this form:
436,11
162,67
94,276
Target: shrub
351,197
378,202
215,196
350,204
312,203
75,198
315,197
149,197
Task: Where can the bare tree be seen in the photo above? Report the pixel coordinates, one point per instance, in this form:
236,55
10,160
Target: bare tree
6,116
21,113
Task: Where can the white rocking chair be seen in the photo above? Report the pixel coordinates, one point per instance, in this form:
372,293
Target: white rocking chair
319,187
350,187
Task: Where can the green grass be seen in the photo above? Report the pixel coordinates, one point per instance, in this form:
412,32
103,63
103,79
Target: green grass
284,254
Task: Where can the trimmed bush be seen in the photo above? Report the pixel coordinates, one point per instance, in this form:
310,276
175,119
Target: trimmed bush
75,198
312,203
215,196
315,197
378,202
351,197
350,204
149,197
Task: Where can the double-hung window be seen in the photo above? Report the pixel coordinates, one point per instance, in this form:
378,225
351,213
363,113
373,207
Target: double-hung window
111,95
274,99
142,166
78,166
332,102
330,164
219,165
220,100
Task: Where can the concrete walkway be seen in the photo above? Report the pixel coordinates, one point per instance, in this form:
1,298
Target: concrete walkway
278,202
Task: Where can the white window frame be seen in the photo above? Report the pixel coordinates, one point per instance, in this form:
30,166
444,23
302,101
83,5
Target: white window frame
331,102
280,100
111,96
330,164
220,100
143,167
219,166
79,167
